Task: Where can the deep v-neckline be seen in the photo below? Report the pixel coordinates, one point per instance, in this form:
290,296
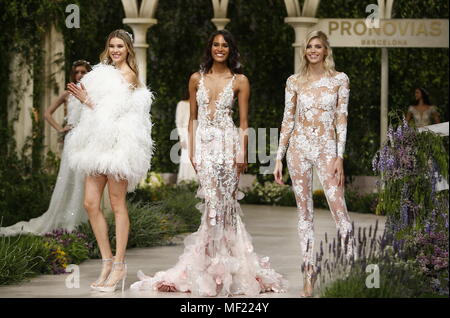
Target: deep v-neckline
212,108
220,95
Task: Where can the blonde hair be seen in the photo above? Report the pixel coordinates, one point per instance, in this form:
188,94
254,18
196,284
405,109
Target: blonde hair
328,63
131,56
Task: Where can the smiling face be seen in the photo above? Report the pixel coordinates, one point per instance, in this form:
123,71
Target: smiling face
117,50
315,51
220,49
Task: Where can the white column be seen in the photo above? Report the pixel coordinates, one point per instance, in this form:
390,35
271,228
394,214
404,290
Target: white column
54,84
20,100
140,21
220,19
384,94
301,27
140,27
384,12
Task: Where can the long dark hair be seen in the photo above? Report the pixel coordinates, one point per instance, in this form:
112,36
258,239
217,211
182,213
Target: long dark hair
425,96
233,58
77,63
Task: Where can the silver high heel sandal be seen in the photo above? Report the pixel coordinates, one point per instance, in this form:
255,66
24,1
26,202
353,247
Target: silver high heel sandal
95,285
110,289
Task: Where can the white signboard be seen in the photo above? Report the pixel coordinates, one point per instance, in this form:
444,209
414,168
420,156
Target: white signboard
390,33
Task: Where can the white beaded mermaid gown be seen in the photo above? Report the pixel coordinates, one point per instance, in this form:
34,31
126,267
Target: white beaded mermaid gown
66,208
218,259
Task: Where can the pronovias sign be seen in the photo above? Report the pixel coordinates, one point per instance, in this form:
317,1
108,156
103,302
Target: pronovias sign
390,33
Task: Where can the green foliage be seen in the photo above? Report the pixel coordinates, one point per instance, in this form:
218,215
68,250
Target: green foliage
25,256
26,179
397,280
408,69
73,245
25,193
363,203
269,193
274,194
265,42
383,268
21,257
407,163
153,223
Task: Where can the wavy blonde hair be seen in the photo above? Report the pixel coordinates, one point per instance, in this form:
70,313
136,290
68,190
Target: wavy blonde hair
328,63
131,56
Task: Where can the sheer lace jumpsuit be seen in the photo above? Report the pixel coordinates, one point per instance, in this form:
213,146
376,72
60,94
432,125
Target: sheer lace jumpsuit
313,133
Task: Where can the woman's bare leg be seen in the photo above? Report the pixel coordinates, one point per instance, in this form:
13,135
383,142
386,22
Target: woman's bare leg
117,195
93,190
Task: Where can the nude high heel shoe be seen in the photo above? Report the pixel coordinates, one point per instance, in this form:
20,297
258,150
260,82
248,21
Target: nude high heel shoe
111,288
95,285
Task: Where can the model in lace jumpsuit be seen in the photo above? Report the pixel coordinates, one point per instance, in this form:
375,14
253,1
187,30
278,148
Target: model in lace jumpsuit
313,134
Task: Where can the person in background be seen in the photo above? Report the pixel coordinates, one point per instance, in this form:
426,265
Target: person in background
423,111
186,171
66,210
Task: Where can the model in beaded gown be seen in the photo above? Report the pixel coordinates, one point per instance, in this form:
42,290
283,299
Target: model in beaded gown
219,258
65,209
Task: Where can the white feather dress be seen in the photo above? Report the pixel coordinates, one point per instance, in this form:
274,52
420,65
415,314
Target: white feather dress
114,137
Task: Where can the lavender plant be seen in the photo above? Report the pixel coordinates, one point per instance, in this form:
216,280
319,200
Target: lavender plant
341,276
412,252
409,164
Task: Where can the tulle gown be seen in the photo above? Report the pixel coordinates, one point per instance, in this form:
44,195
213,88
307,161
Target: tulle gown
66,208
218,259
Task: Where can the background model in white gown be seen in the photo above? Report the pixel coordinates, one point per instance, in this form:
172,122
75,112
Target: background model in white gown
66,208
423,118
186,171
